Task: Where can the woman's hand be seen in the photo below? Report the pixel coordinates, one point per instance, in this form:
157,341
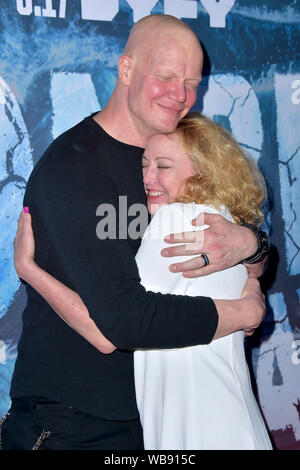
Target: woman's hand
24,245
245,313
64,301
256,309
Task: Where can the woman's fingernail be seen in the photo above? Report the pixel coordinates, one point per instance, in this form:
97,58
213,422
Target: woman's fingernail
26,210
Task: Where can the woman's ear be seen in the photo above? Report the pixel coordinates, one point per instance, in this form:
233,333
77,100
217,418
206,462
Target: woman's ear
125,67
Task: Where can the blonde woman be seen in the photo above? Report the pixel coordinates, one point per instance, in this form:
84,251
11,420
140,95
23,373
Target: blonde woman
196,397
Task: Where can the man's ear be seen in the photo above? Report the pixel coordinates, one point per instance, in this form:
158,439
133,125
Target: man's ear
125,67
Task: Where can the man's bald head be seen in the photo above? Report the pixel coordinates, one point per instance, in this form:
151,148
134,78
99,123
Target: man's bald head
152,30
158,75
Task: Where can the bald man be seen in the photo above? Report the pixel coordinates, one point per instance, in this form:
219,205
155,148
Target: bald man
65,393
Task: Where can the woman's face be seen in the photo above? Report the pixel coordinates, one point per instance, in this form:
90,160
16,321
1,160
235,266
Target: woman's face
165,167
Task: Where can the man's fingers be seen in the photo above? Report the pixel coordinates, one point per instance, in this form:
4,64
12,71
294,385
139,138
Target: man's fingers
206,219
188,265
196,236
194,267
182,250
198,272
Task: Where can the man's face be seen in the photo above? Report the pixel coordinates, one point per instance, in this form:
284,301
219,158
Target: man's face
164,83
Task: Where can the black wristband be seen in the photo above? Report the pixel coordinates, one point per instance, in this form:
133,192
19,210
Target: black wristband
263,245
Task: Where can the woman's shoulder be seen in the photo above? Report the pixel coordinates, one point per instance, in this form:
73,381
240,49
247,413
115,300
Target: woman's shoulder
178,216
172,216
192,207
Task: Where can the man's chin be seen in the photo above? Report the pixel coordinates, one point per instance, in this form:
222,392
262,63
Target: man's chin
166,119
165,127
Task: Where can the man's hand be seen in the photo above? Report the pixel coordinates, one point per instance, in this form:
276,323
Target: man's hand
24,245
224,243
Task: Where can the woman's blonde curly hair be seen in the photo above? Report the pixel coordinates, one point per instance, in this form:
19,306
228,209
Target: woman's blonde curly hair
225,174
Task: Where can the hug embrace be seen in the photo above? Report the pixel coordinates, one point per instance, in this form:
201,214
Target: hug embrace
119,350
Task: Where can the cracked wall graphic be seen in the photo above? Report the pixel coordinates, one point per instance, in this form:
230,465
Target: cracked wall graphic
58,65
230,99
15,168
289,155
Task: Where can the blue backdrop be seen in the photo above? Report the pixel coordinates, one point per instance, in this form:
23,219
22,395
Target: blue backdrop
58,63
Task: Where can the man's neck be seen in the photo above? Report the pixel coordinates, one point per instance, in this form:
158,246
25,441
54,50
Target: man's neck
119,126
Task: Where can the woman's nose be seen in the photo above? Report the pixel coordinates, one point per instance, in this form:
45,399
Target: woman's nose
149,175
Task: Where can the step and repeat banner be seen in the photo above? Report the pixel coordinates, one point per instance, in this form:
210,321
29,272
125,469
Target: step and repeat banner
58,64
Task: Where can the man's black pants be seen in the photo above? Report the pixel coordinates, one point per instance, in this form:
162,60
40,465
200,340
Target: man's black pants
40,424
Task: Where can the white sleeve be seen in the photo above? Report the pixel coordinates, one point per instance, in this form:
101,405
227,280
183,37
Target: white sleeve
154,268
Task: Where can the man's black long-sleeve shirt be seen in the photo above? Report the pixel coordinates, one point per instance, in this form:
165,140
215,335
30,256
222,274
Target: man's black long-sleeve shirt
82,169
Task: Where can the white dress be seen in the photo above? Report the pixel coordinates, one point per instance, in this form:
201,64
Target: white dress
196,397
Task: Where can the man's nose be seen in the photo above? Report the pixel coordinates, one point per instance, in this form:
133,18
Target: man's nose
178,91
